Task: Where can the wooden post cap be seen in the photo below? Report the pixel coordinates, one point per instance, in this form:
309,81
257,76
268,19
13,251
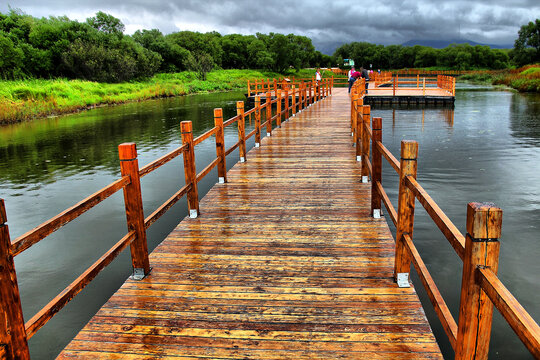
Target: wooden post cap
218,112
127,151
186,126
484,220
3,215
377,123
409,149
239,105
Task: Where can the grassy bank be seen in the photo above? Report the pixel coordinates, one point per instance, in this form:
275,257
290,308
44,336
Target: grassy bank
525,79
29,99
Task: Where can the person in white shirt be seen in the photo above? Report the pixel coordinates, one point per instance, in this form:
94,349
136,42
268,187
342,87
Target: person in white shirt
351,78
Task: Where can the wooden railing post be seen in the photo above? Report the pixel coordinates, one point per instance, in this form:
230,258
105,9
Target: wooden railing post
278,106
405,220
359,127
376,165
484,222
268,114
394,86
366,120
129,166
293,100
12,331
354,98
220,144
257,121
286,105
190,169
241,130
424,87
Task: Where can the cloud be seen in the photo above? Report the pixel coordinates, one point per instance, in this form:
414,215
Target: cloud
328,24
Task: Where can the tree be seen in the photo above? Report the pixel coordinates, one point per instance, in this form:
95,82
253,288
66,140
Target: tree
106,23
527,45
201,63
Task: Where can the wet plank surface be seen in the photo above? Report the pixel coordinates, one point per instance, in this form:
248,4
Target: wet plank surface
284,262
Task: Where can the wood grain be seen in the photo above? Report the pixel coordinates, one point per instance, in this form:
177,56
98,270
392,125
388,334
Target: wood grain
283,262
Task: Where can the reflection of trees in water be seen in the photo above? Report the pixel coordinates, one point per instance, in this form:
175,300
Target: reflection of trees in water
525,118
39,151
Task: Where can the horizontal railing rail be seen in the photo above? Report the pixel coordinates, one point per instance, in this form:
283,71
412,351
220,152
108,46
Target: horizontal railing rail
14,333
481,289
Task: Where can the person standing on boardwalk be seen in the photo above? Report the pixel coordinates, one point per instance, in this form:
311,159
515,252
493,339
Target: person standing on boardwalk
318,78
351,78
365,75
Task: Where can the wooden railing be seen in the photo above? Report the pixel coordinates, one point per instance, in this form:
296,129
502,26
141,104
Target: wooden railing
478,249
447,83
255,87
14,332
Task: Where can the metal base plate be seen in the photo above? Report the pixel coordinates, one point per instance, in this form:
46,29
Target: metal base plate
403,280
193,214
376,213
268,134
242,159
221,180
138,274
364,179
359,158
257,145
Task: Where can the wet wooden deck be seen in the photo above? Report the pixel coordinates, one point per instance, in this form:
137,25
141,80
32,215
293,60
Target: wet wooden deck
284,262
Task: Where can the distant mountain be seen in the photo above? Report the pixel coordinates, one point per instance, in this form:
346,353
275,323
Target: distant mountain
442,43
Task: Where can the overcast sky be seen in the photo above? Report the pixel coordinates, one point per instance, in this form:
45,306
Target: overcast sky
328,23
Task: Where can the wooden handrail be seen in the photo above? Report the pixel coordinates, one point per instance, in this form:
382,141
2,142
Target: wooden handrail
445,316
449,230
479,251
56,304
147,169
13,340
37,234
517,317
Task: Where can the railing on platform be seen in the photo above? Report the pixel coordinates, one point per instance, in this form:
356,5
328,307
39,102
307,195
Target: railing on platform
478,249
14,332
379,81
255,87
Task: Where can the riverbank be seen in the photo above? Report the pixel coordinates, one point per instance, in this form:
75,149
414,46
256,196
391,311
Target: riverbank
525,79
24,100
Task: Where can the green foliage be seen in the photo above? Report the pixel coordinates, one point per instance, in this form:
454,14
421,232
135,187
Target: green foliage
527,45
22,100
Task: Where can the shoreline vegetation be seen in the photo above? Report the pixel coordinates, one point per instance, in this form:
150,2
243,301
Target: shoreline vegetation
23,100
524,79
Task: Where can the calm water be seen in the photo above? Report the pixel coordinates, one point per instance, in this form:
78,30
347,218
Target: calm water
487,149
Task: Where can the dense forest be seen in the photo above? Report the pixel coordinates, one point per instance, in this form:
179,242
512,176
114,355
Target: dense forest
99,50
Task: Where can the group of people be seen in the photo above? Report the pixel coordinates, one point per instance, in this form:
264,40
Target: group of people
355,75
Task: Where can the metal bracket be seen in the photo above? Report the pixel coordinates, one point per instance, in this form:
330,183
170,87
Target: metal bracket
138,274
359,158
242,159
193,213
403,280
352,134
257,145
221,180
376,213
364,179
268,134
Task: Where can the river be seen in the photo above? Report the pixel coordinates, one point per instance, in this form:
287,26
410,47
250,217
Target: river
486,149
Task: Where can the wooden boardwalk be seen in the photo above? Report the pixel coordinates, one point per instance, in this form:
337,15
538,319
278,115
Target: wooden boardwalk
284,262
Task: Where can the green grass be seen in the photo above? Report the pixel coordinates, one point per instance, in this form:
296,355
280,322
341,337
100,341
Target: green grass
525,79
30,99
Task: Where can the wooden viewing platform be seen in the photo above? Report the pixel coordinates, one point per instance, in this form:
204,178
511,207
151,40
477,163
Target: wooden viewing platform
283,262
286,257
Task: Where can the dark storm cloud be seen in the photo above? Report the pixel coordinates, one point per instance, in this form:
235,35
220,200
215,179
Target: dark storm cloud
327,23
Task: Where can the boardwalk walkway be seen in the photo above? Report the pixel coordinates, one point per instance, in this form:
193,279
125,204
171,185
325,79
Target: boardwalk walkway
284,262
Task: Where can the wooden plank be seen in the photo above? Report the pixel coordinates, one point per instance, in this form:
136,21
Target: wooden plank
283,262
